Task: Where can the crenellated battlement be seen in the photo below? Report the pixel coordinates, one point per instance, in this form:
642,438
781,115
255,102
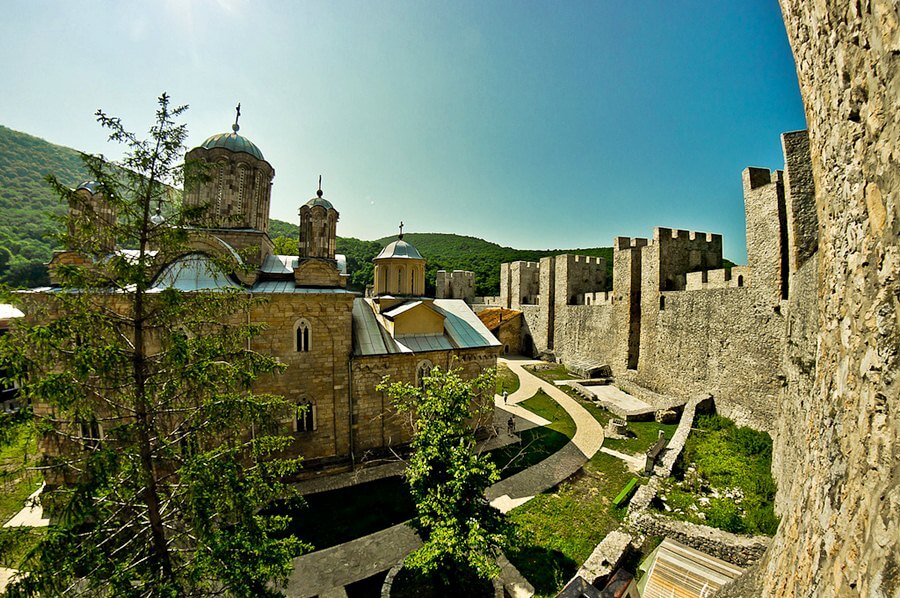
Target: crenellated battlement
620,243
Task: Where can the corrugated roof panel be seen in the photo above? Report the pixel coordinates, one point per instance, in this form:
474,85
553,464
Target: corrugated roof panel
367,338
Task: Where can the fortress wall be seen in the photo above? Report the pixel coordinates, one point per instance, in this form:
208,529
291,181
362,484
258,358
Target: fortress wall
839,428
587,332
680,252
725,342
533,320
577,275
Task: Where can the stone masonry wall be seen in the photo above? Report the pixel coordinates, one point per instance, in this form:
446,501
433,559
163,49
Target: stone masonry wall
320,375
375,422
840,533
725,342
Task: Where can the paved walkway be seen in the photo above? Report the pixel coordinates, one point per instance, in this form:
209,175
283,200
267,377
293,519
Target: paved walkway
33,513
518,489
334,567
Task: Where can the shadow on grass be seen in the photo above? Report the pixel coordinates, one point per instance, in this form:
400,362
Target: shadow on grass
546,569
536,445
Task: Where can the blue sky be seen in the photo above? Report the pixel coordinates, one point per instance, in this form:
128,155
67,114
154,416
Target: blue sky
531,124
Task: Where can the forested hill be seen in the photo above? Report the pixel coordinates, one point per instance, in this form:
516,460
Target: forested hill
26,205
455,252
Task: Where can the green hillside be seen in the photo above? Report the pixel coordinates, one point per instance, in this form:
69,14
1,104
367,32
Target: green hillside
27,207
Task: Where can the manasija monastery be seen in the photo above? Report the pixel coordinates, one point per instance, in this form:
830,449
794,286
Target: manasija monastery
675,322
337,345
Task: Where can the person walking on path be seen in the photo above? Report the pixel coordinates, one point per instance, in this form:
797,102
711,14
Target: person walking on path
505,396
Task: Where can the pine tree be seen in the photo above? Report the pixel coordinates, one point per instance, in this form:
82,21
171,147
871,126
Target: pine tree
160,452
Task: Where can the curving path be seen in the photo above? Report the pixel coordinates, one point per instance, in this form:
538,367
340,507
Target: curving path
335,567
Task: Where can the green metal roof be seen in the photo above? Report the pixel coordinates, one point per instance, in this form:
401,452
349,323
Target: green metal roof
233,142
320,201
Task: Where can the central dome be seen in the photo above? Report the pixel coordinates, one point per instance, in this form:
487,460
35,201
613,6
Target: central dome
233,142
400,248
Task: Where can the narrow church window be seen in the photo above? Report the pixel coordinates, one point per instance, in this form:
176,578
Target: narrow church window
305,417
91,434
220,189
740,281
662,302
240,199
400,273
422,371
302,336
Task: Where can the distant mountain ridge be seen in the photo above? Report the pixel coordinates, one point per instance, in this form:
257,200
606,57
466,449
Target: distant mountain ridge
28,207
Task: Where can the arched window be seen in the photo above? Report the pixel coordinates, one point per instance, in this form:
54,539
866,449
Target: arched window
662,302
305,416
423,369
400,274
302,336
740,281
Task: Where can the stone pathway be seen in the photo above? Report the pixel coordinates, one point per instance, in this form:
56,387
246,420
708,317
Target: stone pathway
635,463
335,567
32,515
518,489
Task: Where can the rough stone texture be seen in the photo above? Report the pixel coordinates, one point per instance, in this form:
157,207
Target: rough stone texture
840,532
605,557
238,192
737,550
458,284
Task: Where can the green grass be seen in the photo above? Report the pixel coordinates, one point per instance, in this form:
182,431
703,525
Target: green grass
537,443
645,433
506,380
16,480
553,374
329,518
563,526
721,458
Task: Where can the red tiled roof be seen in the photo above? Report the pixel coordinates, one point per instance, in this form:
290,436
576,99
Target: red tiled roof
492,317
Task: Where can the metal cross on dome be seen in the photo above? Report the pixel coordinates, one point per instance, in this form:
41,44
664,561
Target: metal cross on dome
401,229
236,127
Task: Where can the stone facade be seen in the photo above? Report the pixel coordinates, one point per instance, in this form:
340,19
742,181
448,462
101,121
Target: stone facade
837,438
334,360
675,321
458,284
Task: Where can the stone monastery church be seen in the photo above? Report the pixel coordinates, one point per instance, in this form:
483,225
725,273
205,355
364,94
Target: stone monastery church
337,345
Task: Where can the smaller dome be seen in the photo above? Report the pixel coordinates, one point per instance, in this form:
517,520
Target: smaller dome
319,201
233,142
90,186
400,248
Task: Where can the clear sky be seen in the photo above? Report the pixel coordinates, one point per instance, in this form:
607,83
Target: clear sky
530,124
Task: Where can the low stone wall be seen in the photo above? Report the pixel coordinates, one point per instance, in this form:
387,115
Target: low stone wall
738,550
606,556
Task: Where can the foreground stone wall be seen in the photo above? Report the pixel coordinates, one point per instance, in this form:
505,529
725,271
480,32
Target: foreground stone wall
840,533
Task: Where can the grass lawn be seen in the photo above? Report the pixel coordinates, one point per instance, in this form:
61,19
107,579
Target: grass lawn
506,380
558,372
563,526
537,443
646,434
723,479
16,484
338,516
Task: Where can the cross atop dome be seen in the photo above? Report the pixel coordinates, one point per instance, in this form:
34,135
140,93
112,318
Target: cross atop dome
236,127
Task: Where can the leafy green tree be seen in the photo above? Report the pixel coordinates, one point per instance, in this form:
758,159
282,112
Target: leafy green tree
462,533
160,452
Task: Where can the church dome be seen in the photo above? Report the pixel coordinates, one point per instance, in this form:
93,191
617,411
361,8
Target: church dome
233,142
318,200
401,249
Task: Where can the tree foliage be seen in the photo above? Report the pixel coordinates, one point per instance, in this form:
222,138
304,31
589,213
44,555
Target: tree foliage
462,533
144,397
